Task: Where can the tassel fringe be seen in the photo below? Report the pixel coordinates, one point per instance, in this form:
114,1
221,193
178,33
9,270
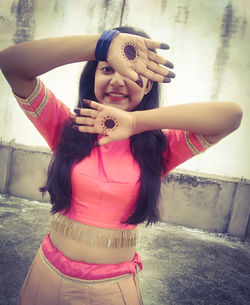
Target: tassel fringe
93,236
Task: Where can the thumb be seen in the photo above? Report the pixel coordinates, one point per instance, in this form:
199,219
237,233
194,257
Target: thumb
104,140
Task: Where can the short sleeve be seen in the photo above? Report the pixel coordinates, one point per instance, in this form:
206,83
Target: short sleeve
46,112
181,146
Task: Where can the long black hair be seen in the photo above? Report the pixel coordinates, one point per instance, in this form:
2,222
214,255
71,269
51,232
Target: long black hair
147,149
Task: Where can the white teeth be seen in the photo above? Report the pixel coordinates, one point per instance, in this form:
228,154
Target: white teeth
116,94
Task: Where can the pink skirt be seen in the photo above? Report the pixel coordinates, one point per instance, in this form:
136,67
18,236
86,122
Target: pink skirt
54,279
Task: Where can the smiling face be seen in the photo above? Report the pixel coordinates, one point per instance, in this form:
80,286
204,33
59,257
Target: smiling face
113,89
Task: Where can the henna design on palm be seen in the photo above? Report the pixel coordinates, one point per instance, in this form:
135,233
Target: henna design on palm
130,53
109,123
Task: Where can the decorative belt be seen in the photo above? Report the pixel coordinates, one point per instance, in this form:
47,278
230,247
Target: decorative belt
93,236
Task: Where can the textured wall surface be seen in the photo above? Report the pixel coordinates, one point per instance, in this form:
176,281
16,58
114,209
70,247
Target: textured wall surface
210,44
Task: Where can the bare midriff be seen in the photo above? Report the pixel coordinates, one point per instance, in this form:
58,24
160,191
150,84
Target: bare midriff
96,255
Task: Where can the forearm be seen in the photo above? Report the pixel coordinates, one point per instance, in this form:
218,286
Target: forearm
210,118
33,58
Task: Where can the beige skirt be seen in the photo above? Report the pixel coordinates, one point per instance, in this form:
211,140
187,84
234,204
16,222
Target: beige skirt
45,285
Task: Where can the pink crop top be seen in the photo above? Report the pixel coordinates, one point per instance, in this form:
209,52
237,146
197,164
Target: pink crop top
105,185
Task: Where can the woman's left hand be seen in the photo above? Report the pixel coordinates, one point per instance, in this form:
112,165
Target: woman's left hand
113,123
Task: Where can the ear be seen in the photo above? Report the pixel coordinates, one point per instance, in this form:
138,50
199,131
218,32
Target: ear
148,86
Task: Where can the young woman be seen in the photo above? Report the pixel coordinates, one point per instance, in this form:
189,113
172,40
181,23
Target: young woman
108,159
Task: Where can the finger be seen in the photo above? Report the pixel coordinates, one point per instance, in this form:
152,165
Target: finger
89,112
160,60
88,129
155,77
84,121
160,70
152,44
94,104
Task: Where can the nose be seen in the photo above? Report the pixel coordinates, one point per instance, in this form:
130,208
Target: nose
117,80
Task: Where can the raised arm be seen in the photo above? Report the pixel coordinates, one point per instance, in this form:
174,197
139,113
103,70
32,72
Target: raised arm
22,63
213,120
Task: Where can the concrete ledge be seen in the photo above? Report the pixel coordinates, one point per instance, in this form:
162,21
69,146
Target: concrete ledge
217,204
5,152
28,173
195,201
238,225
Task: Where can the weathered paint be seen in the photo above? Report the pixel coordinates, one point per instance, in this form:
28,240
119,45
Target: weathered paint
122,12
182,14
164,4
24,20
228,27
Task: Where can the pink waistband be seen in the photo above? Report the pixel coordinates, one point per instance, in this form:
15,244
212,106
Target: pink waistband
86,271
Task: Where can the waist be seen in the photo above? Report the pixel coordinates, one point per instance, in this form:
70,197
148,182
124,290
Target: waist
83,270
91,244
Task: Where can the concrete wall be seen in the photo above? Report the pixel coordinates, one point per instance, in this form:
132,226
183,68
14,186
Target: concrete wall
200,201
214,204
23,171
210,46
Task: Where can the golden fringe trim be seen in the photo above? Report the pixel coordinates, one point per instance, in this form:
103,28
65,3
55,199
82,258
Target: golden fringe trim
93,236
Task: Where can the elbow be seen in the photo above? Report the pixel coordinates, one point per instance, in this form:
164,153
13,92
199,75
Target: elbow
237,114
7,58
3,61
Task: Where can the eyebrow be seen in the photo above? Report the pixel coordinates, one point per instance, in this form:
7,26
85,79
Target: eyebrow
103,63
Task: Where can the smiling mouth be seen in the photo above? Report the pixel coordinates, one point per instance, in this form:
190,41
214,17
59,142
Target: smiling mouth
116,97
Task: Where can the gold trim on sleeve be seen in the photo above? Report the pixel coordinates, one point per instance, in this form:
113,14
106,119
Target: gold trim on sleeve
93,236
30,99
191,146
40,107
203,141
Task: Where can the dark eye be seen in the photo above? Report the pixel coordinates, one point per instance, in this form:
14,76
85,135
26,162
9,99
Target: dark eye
107,69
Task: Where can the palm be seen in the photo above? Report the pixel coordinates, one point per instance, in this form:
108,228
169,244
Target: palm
120,62
113,123
130,55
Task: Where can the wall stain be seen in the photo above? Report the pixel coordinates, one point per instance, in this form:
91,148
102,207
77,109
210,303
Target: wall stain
91,10
243,27
122,12
164,4
112,14
229,27
2,19
182,15
56,8
107,3
13,8
24,20
194,181
103,19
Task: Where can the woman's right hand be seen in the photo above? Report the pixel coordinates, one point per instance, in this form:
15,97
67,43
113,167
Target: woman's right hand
131,56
